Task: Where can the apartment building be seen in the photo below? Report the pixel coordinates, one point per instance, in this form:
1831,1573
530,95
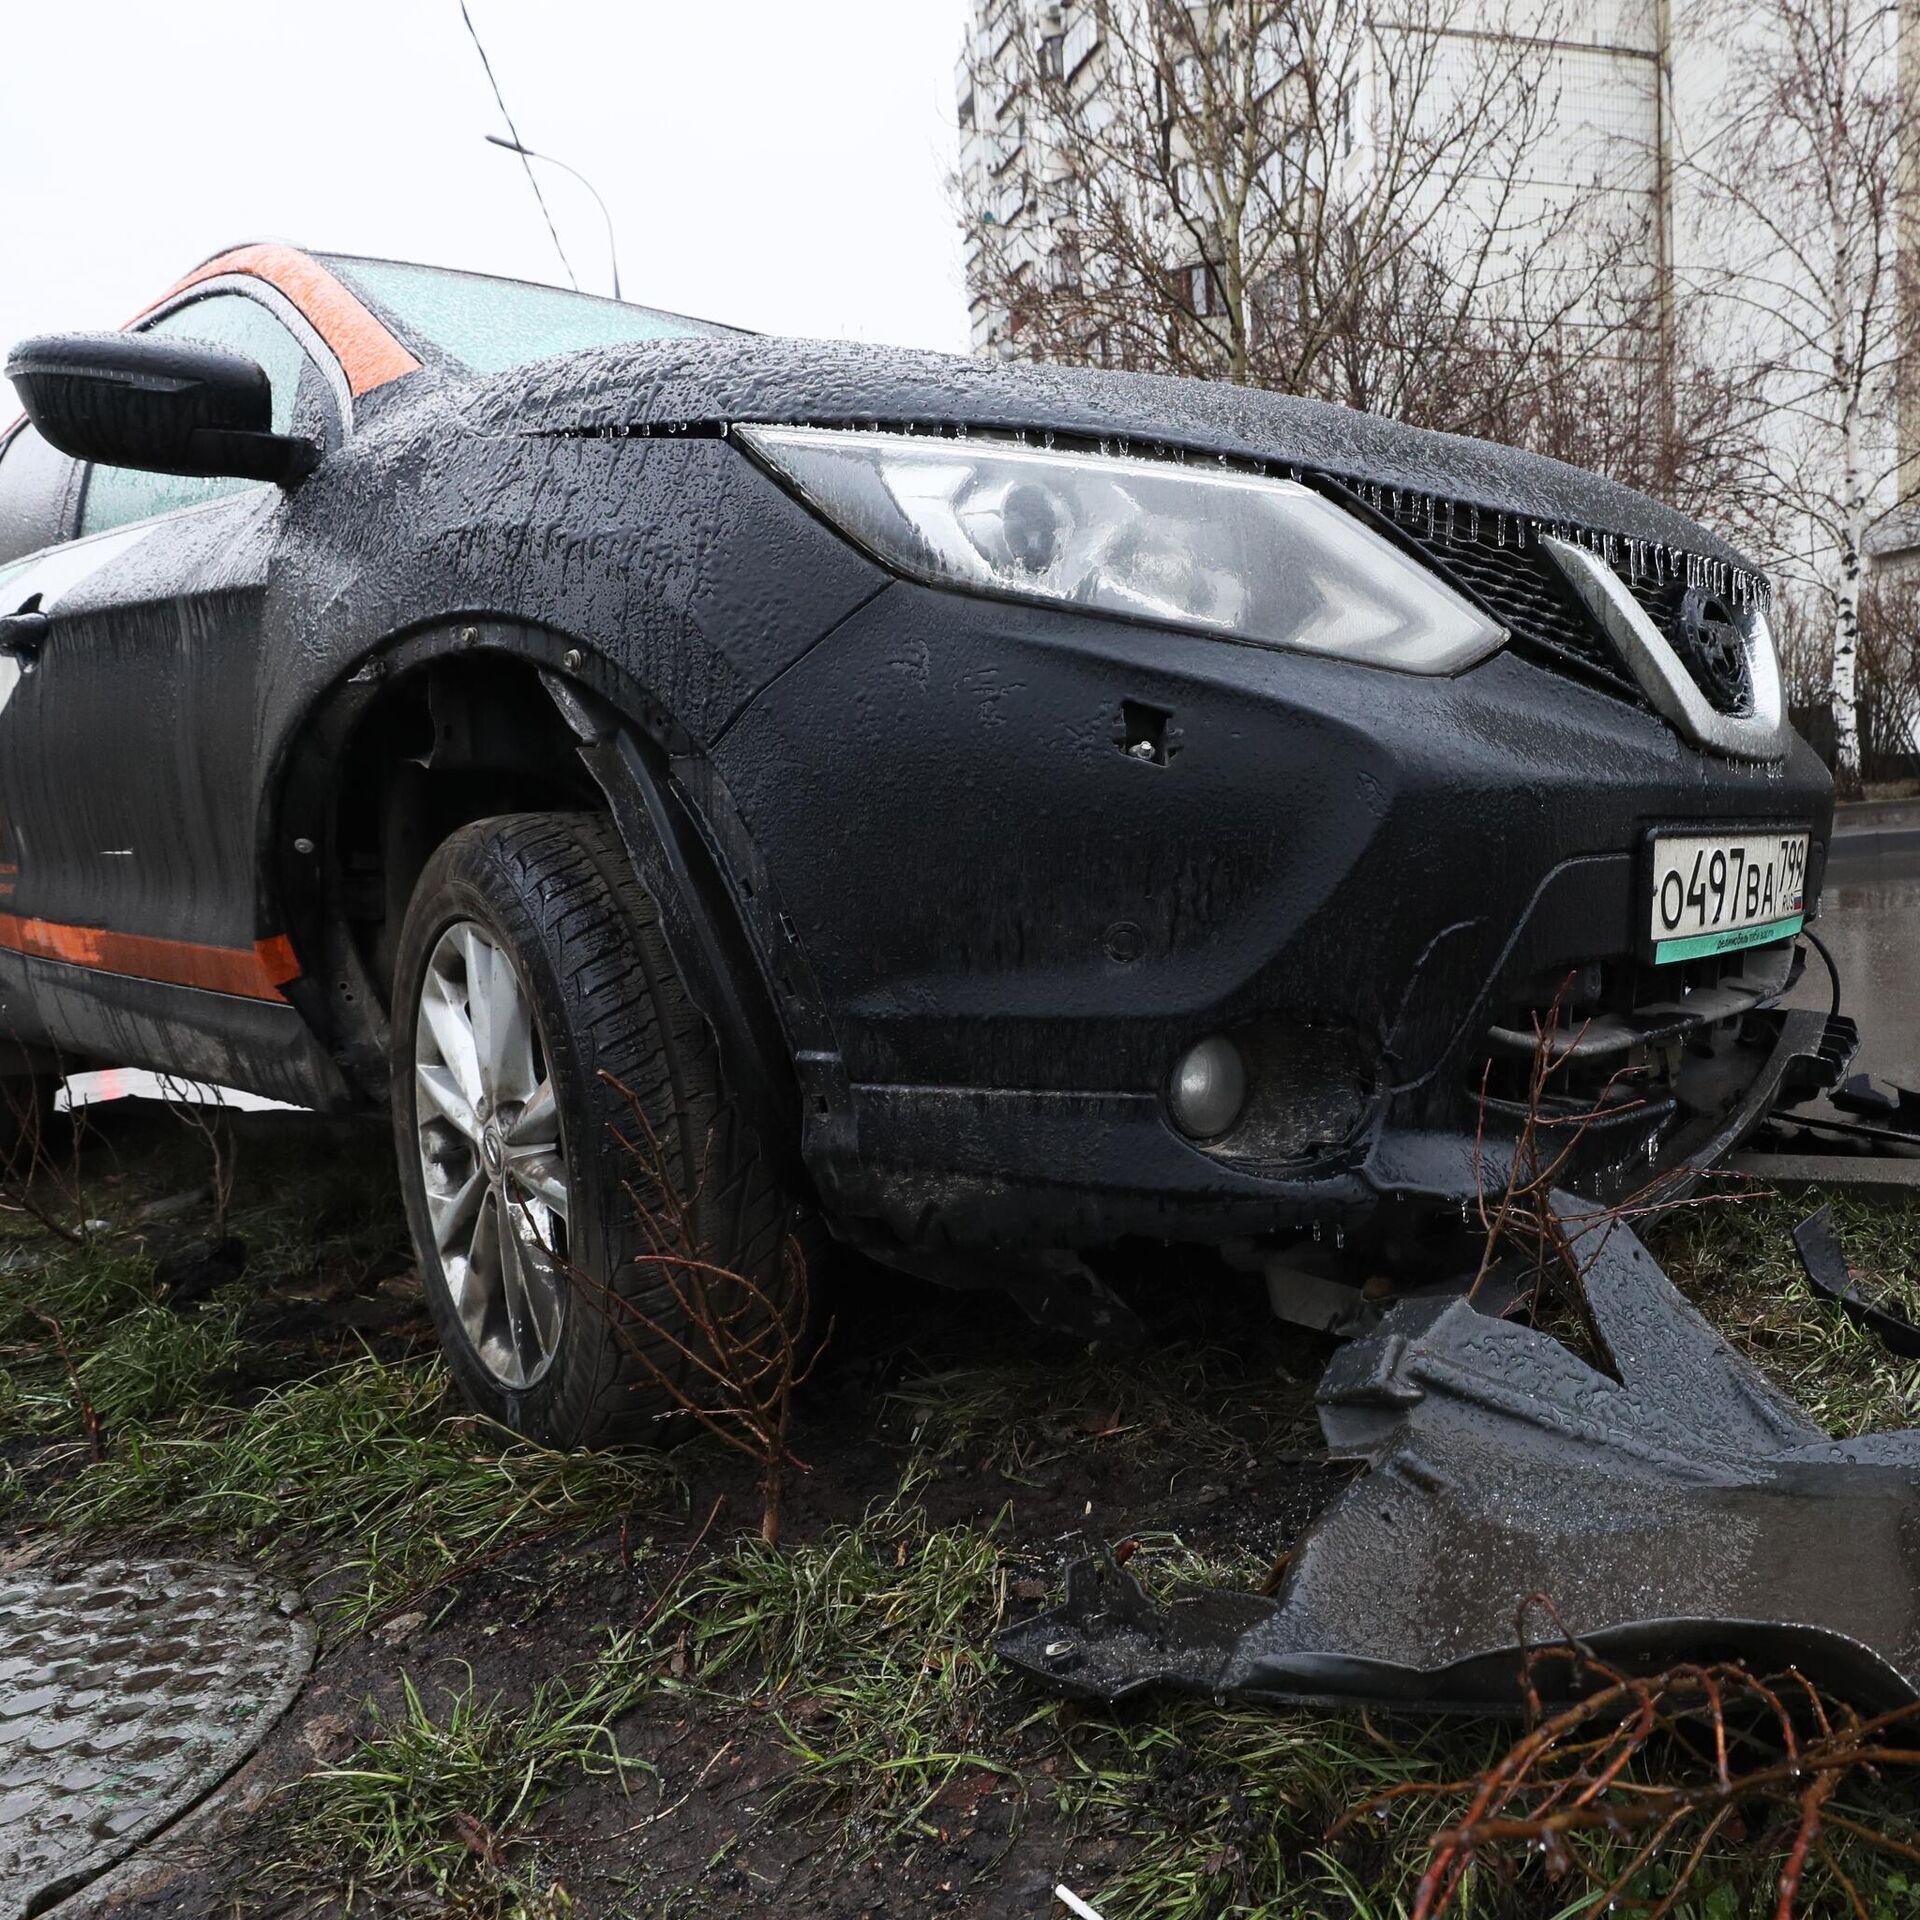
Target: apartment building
1627,94
1617,73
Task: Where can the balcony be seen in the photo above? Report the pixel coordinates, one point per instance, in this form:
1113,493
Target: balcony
1081,39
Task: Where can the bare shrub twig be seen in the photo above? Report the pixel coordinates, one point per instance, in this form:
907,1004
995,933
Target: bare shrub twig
1757,1755
1524,1217
30,1167
203,1110
723,1348
89,1416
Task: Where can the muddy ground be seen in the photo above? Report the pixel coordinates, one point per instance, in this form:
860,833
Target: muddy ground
615,1701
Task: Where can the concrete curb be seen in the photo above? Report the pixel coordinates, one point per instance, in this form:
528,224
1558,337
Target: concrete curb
1853,849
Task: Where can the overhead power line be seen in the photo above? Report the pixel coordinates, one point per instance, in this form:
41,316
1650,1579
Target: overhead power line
533,179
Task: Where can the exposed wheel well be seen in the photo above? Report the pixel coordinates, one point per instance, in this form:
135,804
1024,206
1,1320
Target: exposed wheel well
404,755
454,742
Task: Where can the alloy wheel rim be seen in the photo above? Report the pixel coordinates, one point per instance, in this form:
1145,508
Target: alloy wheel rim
492,1161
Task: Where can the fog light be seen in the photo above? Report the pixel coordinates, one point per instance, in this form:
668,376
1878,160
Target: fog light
1209,1087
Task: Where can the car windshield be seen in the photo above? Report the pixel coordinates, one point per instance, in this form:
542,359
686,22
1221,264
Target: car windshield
490,325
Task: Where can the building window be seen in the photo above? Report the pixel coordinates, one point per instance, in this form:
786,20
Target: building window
1200,287
1053,64
1282,173
1081,39
1274,302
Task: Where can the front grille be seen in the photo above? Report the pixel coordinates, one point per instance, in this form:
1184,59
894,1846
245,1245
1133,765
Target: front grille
1519,584
1718,670
1498,557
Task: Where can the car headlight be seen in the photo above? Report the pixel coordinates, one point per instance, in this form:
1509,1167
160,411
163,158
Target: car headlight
1237,555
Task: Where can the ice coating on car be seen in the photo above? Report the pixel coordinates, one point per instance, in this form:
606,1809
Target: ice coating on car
954,881
773,381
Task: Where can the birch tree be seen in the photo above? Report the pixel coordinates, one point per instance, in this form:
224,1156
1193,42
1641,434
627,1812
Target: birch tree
1798,174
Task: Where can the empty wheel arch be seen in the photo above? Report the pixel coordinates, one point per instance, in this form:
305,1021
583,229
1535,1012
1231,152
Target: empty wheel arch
442,734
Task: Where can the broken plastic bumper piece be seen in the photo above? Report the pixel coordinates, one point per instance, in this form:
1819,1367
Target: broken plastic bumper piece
1668,1504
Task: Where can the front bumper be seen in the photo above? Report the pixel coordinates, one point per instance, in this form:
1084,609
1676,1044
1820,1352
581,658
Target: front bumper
1008,920
1671,1506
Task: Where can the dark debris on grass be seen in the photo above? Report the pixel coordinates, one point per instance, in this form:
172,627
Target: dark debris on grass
583,1686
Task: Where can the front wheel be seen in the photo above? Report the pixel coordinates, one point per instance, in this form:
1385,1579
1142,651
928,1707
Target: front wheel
568,1153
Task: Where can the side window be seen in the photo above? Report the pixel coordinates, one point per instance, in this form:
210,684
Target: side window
116,495
33,494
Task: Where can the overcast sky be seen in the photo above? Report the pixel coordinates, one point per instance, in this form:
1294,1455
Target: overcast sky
778,163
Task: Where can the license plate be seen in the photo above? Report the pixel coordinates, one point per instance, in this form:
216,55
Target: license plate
1713,892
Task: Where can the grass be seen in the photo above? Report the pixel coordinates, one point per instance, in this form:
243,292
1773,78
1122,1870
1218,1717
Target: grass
338,1222
869,1646
440,1799
1190,1401
368,1467
89,1322
862,1642
864,1652
1225,1811
262,1421
93,1332
85,1288
1737,1264
156,1361
356,1472
1164,1564
866,1649
77,1298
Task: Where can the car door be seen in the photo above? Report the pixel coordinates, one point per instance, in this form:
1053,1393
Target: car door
126,748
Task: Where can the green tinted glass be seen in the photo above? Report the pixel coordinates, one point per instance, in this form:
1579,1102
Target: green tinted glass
490,325
116,495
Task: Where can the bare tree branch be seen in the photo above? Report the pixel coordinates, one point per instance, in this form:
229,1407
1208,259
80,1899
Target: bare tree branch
1798,174
1294,194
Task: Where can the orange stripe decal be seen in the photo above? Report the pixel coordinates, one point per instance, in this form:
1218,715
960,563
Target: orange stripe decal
277,960
254,973
368,354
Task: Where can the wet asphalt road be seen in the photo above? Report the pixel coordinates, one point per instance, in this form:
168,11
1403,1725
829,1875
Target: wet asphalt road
1870,922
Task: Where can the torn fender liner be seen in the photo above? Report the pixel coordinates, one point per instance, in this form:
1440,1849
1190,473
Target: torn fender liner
1680,1509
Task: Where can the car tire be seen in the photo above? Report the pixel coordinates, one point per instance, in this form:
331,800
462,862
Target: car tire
571,1333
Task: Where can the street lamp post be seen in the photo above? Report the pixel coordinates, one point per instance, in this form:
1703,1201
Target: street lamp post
527,153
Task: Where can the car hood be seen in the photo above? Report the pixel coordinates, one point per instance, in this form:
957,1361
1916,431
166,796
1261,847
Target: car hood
662,385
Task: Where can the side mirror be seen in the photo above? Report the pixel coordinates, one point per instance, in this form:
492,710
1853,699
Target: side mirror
160,405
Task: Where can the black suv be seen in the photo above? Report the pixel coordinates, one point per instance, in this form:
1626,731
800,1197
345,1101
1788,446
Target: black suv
1000,812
